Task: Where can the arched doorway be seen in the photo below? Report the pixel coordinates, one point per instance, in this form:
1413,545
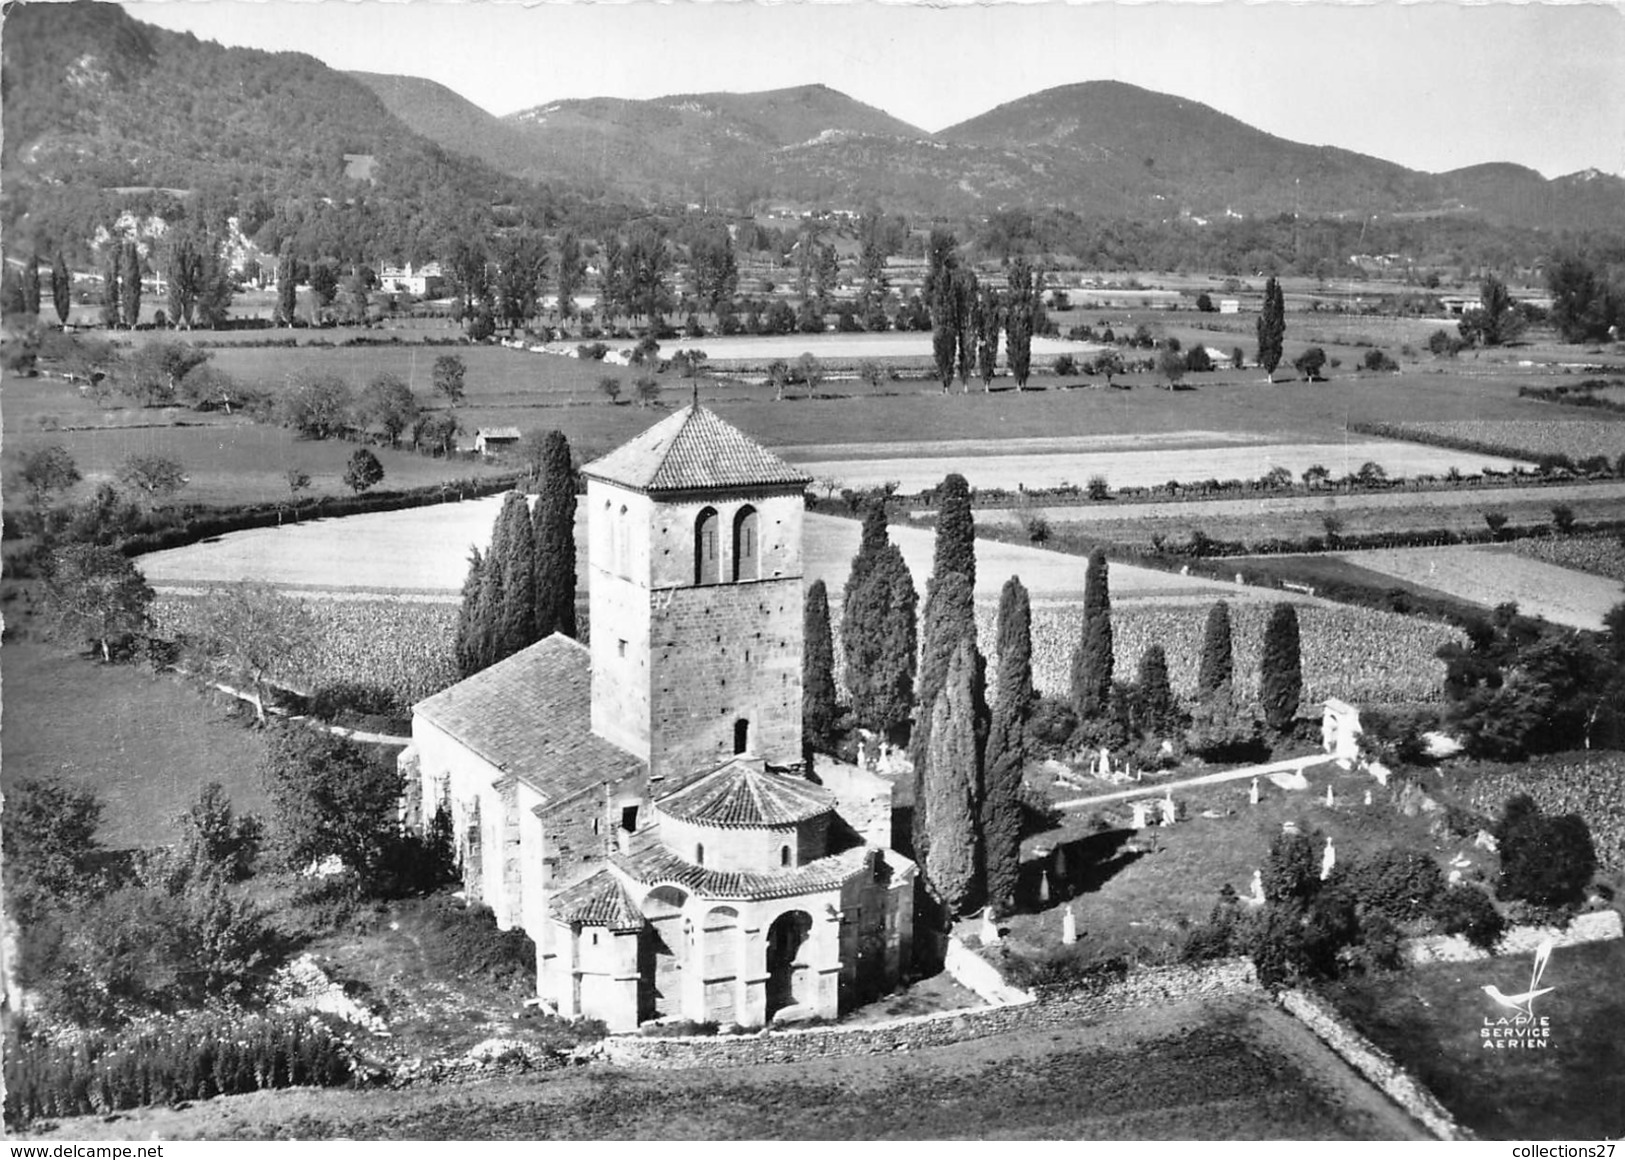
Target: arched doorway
660,949
722,937
786,973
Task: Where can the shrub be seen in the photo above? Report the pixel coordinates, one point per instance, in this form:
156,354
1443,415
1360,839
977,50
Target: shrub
1401,885
1376,360
591,351
1052,722
470,936
1496,521
1065,365
1097,488
1563,518
1466,910
1548,861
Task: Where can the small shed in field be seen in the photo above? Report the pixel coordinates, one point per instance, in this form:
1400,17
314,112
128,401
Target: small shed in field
1229,306
490,440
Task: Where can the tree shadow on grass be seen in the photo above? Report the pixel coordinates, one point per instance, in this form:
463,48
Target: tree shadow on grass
1079,866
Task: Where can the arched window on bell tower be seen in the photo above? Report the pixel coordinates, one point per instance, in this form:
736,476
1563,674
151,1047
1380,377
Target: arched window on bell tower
707,548
746,549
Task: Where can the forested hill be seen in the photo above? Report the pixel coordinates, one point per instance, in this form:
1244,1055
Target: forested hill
99,107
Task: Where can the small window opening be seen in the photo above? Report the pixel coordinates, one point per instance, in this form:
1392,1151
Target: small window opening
784,855
742,735
620,648
699,854
629,819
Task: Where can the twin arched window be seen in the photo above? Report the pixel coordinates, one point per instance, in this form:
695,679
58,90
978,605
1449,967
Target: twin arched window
746,557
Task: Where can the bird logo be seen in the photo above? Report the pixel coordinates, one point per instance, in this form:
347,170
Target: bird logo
1524,1004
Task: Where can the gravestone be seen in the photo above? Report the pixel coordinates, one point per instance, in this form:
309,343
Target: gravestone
1069,927
1328,859
1256,898
1252,795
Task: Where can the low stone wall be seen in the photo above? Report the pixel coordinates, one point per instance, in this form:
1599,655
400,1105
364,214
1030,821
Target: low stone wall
1151,987
1373,1063
1598,926
972,971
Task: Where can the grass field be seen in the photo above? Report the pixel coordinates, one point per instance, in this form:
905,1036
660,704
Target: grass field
1429,1019
1490,575
1148,468
1234,1069
146,744
1299,516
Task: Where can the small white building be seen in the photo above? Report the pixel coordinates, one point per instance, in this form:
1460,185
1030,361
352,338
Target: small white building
1229,306
490,440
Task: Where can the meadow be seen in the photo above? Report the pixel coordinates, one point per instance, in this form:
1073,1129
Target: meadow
1429,1018
1489,575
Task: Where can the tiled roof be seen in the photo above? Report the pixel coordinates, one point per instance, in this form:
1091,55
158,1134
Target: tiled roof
659,866
690,450
498,432
531,717
598,901
743,795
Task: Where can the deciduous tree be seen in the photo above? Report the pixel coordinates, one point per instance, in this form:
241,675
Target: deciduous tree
362,471
97,595
247,632
448,378
156,477
1020,316
989,321
330,797
390,403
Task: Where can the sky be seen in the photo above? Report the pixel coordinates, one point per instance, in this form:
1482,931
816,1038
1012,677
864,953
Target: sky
1433,85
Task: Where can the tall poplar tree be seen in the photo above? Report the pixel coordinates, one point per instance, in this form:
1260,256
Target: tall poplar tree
1271,328
112,267
61,288
1218,663
1007,748
554,517
989,320
287,286
31,286
965,324
819,710
130,285
1092,660
950,793
1280,678
1019,320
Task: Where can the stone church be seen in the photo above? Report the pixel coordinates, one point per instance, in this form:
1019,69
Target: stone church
640,806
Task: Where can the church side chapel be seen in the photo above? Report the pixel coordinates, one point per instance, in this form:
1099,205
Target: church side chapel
640,806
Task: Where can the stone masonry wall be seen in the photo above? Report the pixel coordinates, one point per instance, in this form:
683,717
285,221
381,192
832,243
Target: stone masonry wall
1146,988
718,654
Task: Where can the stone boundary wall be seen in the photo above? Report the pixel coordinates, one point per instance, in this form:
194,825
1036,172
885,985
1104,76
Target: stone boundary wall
1598,926
972,971
1150,987
1373,1063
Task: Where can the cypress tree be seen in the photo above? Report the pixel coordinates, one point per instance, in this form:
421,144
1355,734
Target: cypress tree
488,614
1156,711
287,285
950,792
1280,681
818,705
950,620
1007,748
1092,660
1019,313
111,269
130,287
466,648
1271,327
1218,661
878,638
516,622
956,531
554,524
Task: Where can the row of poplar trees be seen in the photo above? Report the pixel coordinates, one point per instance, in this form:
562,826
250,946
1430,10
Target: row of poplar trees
523,588
967,757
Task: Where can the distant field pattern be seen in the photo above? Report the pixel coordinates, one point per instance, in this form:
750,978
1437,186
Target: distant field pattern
1598,555
1577,438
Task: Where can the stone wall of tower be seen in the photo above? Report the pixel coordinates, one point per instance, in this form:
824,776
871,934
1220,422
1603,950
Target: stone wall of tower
722,654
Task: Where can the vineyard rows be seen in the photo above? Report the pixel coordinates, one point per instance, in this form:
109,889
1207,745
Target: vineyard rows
404,646
1598,555
1577,438
1588,787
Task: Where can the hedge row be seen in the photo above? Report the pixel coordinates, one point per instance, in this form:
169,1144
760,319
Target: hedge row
190,1058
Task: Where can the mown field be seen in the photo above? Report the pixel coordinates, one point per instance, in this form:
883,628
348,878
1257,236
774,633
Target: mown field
1268,517
1489,575
1236,1069
146,744
1429,1019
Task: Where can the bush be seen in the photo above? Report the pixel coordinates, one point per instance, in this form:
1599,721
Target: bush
1466,910
470,936
1401,885
1376,360
1097,488
1547,861
1052,722
1065,365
